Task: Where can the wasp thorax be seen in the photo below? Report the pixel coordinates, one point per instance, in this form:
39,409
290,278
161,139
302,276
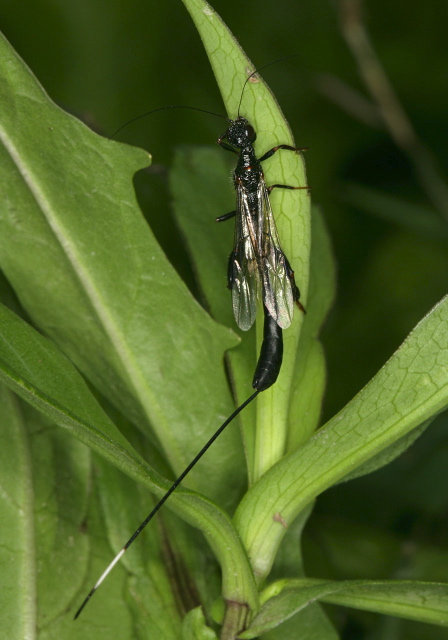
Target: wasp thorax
241,133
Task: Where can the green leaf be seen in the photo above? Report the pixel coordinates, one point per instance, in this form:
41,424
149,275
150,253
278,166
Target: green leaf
410,388
423,601
38,372
17,543
90,274
291,210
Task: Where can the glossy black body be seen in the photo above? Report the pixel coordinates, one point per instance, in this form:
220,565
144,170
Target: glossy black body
271,354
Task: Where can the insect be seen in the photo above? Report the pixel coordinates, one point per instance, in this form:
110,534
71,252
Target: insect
257,266
257,269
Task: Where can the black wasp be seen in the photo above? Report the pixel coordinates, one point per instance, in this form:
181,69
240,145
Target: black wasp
257,268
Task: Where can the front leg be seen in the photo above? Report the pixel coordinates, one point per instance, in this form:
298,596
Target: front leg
225,145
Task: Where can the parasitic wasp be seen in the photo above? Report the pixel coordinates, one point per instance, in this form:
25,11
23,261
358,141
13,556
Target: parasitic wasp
257,270
258,267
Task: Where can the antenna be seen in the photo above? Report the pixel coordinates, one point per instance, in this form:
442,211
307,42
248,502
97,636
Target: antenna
212,113
294,55
172,106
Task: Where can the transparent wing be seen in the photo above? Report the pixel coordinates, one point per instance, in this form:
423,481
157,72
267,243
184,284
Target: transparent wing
243,265
279,288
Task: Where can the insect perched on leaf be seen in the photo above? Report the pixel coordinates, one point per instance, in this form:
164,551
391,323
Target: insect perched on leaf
257,270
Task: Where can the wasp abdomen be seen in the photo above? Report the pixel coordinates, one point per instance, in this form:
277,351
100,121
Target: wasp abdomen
271,354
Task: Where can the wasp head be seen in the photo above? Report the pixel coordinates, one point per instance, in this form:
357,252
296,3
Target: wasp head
241,133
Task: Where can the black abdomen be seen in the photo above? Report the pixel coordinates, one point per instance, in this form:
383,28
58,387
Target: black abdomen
271,354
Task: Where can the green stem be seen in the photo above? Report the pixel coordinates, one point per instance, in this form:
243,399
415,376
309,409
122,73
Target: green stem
235,620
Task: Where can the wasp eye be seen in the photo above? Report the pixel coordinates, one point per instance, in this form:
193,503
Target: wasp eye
250,132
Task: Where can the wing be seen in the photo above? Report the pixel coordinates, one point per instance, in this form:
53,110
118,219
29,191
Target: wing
279,288
243,265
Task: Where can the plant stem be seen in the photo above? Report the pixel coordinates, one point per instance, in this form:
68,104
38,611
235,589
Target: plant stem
234,620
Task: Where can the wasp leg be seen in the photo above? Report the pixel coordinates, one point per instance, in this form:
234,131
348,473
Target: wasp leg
295,288
225,145
283,186
271,152
226,216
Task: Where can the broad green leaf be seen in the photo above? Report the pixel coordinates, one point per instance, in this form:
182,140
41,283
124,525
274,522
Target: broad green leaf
423,601
89,273
38,372
410,388
291,211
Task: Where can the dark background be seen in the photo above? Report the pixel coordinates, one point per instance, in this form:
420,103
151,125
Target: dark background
108,61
